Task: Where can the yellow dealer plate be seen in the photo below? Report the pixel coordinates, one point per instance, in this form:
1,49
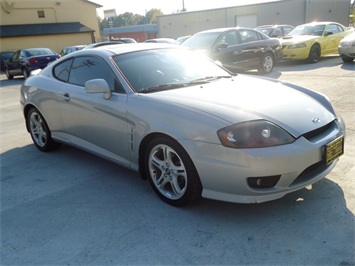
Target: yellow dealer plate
334,150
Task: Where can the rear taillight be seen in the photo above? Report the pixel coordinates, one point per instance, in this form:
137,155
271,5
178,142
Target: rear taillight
34,60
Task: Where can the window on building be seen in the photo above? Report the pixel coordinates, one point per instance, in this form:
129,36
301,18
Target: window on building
40,14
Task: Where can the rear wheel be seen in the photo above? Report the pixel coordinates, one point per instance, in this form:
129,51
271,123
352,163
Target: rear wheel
40,132
8,75
267,64
171,172
314,54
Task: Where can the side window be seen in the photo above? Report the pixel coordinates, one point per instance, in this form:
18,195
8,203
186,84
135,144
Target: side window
332,28
15,56
277,33
88,67
260,36
62,70
248,36
229,38
340,29
22,54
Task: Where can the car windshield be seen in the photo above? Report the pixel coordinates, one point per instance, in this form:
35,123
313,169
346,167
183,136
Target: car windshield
316,30
168,68
201,41
37,52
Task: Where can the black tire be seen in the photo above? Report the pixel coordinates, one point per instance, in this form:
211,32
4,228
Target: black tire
25,73
171,172
347,59
314,54
267,64
8,75
40,132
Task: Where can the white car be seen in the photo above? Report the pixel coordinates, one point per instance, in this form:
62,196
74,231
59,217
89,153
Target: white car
347,48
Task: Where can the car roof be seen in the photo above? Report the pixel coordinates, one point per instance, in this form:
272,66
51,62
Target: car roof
320,23
81,45
224,29
117,49
273,26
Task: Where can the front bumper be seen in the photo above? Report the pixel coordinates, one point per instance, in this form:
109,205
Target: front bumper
348,51
224,172
295,54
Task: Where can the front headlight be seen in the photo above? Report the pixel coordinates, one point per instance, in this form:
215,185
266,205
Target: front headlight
298,45
254,134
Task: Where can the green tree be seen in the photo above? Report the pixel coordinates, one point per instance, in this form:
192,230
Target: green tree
151,15
352,15
130,19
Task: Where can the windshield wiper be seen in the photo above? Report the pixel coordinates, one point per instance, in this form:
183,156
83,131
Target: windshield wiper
207,79
170,86
162,87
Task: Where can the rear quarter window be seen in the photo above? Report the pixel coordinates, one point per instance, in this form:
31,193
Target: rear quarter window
62,70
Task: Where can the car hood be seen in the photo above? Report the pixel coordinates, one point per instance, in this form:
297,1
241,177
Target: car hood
298,39
246,98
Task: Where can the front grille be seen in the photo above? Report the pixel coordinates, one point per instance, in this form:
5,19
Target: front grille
314,133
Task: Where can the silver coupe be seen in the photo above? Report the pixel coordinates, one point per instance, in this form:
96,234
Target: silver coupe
183,122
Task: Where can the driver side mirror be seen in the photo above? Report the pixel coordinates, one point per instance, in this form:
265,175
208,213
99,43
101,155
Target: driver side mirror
221,46
98,86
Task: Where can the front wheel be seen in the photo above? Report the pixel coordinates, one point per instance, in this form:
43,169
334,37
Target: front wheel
25,73
314,54
267,64
40,132
8,75
347,59
171,172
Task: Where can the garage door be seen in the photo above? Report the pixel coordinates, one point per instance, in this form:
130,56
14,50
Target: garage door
249,21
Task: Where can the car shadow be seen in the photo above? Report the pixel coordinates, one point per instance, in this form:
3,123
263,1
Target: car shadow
15,81
349,66
303,65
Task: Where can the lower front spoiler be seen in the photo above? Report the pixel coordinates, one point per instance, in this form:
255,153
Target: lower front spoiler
265,195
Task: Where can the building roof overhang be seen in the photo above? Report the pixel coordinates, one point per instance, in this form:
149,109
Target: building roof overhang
43,29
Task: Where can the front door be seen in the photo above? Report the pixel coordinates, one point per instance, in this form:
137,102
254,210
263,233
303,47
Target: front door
90,120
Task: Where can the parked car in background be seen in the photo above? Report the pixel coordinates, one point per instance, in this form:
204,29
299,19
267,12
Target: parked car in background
4,57
99,44
71,49
313,40
23,61
275,31
124,40
185,123
181,39
346,48
238,48
160,40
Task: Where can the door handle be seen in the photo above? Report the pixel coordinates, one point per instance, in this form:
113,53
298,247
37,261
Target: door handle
66,97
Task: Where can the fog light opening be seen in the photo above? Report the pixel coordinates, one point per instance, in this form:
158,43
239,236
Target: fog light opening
263,182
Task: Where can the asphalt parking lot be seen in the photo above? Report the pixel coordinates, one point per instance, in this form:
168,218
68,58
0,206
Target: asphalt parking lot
71,208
